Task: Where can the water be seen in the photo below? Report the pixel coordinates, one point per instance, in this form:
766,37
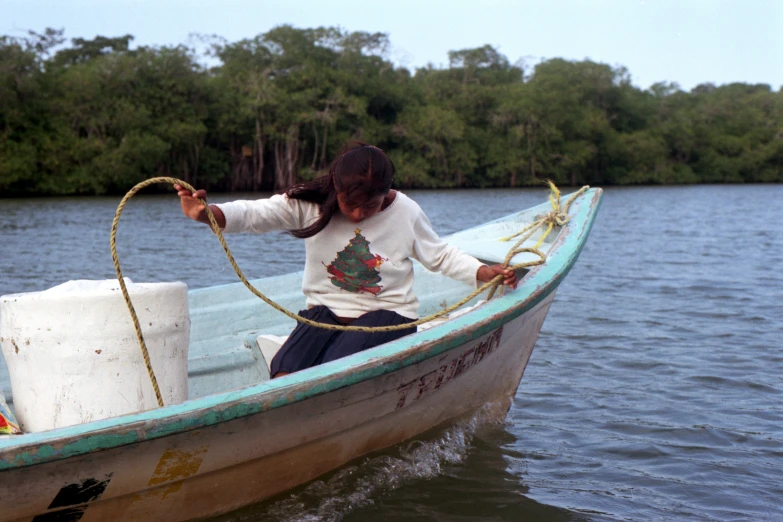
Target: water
655,390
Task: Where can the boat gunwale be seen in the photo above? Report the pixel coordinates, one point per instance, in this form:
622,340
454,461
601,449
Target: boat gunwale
37,448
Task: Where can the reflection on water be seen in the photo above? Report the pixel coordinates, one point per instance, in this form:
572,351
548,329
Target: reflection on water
654,391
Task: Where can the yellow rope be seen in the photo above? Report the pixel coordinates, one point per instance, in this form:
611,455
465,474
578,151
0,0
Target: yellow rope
556,216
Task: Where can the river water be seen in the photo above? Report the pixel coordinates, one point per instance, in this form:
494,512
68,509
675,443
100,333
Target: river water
655,391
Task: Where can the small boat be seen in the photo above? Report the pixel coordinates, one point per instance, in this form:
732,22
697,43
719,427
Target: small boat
241,437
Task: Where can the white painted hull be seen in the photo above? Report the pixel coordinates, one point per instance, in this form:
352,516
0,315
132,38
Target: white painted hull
227,465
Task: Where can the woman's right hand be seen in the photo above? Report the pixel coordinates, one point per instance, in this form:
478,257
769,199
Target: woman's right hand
194,209
191,206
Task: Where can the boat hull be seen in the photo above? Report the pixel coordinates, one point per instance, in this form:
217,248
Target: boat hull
227,465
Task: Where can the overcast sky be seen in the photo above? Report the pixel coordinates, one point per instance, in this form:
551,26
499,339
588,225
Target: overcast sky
683,41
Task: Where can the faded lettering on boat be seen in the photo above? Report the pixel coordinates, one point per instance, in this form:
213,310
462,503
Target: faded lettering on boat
446,372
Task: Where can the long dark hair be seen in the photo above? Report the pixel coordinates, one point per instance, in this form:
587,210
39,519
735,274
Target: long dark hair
361,171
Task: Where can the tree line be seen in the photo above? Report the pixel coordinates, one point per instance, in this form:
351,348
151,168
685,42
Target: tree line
95,116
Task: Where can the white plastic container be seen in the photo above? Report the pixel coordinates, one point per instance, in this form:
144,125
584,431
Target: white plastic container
73,355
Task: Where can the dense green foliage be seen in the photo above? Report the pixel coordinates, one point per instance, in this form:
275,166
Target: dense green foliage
96,116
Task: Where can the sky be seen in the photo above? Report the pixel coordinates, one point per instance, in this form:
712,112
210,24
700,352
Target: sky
684,41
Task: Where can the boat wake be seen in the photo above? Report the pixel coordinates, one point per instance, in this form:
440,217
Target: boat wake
361,484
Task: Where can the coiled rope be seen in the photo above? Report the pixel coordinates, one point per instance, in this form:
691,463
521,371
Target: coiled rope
557,216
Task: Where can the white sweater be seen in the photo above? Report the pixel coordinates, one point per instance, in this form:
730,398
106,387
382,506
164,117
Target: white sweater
354,268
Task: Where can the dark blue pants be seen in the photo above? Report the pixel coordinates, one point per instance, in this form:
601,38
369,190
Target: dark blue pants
310,346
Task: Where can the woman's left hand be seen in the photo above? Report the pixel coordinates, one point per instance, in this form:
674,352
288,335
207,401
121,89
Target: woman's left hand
488,273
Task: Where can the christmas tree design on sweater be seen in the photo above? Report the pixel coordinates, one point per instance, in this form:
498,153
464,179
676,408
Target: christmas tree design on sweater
355,268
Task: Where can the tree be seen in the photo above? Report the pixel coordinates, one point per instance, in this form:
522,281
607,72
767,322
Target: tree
92,116
24,108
